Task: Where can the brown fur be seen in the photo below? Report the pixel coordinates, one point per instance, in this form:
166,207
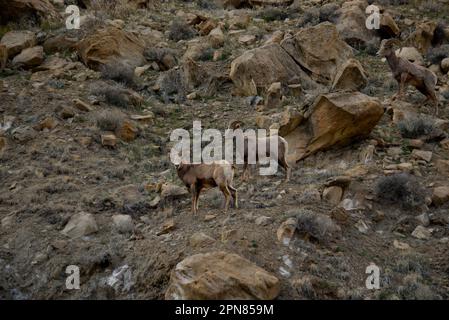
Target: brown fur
407,73
281,155
197,177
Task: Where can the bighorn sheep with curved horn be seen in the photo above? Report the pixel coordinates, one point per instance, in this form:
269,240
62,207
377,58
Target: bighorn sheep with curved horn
281,152
406,73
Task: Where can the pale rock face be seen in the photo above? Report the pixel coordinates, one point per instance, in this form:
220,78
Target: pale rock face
16,41
80,225
220,275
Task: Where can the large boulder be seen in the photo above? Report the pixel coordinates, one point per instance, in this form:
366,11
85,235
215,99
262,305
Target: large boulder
15,10
337,119
320,50
16,41
334,119
255,70
220,276
110,45
3,56
351,24
350,76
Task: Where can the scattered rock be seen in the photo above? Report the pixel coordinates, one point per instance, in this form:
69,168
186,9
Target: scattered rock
440,195
333,194
422,233
445,65
30,57
423,219
274,95
199,239
286,231
263,220
108,139
401,245
80,225
123,223
247,39
350,77
216,38
16,41
362,226
173,191
442,166
220,276
421,154
127,131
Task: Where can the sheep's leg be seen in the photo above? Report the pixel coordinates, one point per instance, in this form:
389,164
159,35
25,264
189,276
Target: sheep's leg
193,191
402,85
197,200
283,163
245,176
234,196
227,195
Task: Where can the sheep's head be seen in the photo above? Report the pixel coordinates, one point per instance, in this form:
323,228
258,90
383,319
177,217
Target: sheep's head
386,46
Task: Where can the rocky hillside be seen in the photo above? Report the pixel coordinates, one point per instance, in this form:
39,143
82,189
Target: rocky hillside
85,121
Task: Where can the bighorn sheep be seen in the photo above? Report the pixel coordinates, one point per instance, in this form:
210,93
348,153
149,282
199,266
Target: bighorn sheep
281,152
199,176
406,73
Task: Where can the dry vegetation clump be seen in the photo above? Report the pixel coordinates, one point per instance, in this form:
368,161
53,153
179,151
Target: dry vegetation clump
416,127
181,30
120,73
437,54
315,226
113,95
272,14
309,18
109,120
106,9
401,189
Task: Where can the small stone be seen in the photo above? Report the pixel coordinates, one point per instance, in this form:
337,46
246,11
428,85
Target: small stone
421,154
442,166
263,220
127,131
440,195
247,39
423,219
168,226
30,57
421,233
67,113
362,226
199,239
48,123
401,245
80,225
82,106
192,96
445,65
227,235
123,223
108,140
333,194
210,217
286,231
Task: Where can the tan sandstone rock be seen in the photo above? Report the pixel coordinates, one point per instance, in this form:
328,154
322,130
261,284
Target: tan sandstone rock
220,276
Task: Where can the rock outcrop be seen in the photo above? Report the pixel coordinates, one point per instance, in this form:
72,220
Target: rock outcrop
15,10
320,50
220,276
110,45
